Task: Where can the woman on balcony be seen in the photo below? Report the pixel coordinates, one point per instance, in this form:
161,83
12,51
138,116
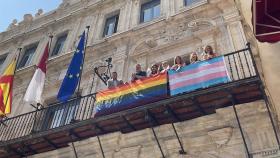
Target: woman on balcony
208,53
194,58
139,74
165,67
178,63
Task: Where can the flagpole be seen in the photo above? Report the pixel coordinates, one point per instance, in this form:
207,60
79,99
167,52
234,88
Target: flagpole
49,51
81,72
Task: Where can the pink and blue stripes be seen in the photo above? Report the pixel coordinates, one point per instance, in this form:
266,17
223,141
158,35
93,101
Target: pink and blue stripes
198,75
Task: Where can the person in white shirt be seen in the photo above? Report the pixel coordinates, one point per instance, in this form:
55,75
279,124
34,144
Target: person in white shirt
165,67
114,82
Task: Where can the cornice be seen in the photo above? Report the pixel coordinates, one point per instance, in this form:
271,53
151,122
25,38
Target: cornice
49,18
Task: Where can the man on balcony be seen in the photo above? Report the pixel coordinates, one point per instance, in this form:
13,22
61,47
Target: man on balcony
139,74
114,82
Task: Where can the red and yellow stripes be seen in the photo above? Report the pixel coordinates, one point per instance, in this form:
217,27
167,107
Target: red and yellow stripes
131,88
6,83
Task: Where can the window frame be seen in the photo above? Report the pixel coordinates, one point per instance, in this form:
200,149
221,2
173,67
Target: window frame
3,58
186,3
194,4
149,5
60,36
22,56
115,18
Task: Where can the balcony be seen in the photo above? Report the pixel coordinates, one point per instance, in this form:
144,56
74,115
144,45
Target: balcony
59,124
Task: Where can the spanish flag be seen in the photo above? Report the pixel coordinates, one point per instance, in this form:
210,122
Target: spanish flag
6,84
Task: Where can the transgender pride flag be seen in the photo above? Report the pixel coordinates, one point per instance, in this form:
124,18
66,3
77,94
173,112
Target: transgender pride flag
199,75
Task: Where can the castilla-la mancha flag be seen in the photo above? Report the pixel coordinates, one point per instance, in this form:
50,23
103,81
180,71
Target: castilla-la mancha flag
36,85
6,85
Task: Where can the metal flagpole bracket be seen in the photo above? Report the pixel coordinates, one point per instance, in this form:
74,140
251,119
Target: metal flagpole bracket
101,148
2,120
153,122
106,75
233,102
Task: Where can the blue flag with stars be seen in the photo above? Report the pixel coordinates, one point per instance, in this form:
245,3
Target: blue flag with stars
72,76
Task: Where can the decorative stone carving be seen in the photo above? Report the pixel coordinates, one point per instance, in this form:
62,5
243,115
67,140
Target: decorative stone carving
128,152
64,4
151,42
67,3
141,46
27,18
201,23
13,24
39,12
221,136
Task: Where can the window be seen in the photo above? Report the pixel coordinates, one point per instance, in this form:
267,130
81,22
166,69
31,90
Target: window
190,2
150,10
58,116
2,60
111,25
59,45
27,56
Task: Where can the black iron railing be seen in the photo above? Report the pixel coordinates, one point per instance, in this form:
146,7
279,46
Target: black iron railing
240,65
53,116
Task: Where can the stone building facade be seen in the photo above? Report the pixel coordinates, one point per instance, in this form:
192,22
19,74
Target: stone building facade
177,27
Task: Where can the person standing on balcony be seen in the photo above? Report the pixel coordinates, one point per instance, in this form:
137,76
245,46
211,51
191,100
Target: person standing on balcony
114,82
178,63
208,53
165,67
194,58
154,70
139,74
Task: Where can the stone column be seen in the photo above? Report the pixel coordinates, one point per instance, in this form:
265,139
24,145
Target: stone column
237,36
119,61
135,13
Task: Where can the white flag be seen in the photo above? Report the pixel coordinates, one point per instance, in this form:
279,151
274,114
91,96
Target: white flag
35,89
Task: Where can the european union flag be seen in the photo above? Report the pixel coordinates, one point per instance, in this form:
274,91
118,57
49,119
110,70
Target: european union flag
72,76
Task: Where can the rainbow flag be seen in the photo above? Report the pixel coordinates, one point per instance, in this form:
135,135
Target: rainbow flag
199,75
131,95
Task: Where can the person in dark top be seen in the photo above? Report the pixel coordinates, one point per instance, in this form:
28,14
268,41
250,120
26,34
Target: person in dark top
139,74
154,70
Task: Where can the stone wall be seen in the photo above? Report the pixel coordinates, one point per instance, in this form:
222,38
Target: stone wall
212,136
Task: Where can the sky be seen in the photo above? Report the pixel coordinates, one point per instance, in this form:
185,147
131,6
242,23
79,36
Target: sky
15,9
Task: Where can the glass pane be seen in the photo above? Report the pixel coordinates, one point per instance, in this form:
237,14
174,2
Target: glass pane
27,57
110,29
2,60
147,15
111,26
59,45
190,2
150,10
156,11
